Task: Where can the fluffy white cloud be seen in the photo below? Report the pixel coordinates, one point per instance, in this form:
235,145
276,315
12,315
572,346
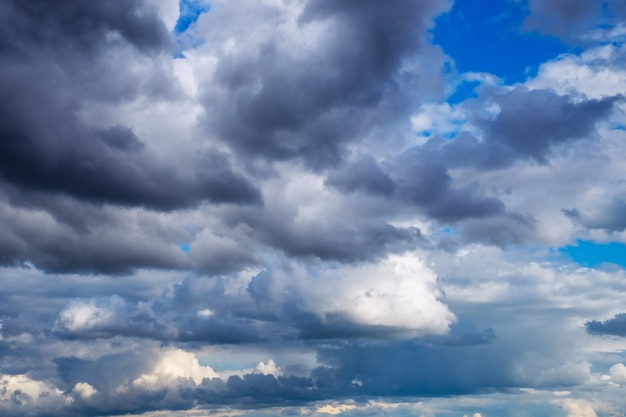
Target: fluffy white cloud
84,390
577,408
172,366
22,392
268,368
618,373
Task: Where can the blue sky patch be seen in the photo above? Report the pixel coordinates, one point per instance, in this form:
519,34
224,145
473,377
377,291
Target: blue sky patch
465,90
190,11
485,36
592,254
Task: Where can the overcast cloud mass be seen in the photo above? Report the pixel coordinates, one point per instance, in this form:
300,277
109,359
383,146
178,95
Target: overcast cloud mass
313,207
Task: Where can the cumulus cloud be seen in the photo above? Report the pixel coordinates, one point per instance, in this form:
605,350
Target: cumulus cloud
250,204
398,295
53,54
273,95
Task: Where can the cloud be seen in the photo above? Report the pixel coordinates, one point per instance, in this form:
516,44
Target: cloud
274,305
47,81
530,122
570,20
577,408
102,243
19,393
264,207
85,27
364,175
318,78
615,326
609,217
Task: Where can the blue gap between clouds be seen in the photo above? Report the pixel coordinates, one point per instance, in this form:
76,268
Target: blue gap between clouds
486,36
591,254
190,11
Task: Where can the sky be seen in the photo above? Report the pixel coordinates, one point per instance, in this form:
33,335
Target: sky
313,208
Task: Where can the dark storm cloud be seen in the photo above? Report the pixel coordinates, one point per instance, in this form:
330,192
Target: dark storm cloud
84,167
280,104
86,241
615,326
74,24
58,57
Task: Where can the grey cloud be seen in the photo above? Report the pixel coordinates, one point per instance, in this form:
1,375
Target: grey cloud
529,125
84,167
531,122
71,53
109,317
570,19
30,235
345,242
109,372
415,179
464,332
409,368
349,370
335,239
76,25
278,104
610,217
255,390
217,254
363,174
615,326
428,186
513,228
105,373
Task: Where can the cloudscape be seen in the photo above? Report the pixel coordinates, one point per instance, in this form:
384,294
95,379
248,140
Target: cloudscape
313,208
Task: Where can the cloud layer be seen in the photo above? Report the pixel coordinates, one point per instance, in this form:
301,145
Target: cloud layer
280,207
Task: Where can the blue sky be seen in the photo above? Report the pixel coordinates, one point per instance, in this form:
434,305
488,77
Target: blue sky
316,208
488,36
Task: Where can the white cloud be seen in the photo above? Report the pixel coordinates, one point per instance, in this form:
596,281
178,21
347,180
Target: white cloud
268,368
577,408
84,390
20,392
399,291
173,365
335,409
84,315
594,73
618,373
